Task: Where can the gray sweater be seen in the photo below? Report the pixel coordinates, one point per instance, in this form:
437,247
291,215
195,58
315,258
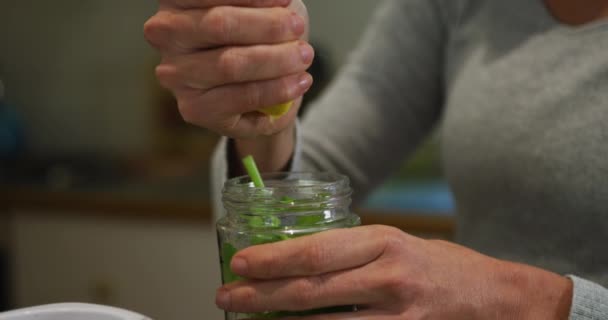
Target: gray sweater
521,102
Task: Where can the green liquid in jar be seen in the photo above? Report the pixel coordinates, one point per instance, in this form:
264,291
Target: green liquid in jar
274,234
290,205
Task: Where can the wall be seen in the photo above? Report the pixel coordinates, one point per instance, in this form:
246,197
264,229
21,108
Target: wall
81,73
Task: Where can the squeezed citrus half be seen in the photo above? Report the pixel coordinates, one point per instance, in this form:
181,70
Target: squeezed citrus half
278,110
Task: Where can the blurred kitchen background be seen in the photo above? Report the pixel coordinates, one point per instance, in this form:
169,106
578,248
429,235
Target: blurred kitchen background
104,189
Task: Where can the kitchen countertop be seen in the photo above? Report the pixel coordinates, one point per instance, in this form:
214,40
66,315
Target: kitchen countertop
112,189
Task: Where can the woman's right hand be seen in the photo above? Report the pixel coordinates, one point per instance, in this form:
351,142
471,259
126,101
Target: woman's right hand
225,59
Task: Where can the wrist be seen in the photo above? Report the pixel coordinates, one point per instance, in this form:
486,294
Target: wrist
532,293
272,153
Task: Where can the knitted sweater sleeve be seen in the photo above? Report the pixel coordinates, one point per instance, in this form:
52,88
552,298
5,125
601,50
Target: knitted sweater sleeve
589,302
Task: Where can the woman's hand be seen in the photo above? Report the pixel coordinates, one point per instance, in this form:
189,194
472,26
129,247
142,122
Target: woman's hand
225,59
389,274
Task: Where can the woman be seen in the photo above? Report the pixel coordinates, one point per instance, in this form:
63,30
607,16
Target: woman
519,91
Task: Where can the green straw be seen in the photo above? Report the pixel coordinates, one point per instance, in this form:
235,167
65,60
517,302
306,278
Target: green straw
253,172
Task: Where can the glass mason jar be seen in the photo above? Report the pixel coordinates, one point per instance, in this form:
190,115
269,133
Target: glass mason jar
291,205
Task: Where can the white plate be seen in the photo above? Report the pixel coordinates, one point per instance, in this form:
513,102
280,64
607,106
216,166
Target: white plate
71,311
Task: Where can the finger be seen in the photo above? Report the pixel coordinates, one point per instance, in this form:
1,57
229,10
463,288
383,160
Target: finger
188,30
343,288
255,124
189,4
248,97
228,110
311,255
213,68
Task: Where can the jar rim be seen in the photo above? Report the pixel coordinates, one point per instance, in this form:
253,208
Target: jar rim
321,179
288,194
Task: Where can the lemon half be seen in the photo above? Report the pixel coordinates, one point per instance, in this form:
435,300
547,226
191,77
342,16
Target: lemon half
278,110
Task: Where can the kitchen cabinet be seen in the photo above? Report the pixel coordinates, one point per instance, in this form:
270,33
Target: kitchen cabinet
4,262
162,268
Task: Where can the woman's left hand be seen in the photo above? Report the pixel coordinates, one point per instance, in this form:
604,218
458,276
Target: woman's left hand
389,274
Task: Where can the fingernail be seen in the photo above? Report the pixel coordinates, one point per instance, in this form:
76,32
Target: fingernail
306,53
222,300
305,81
239,266
297,24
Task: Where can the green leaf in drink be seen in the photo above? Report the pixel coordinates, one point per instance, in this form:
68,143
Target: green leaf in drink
227,252
265,226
